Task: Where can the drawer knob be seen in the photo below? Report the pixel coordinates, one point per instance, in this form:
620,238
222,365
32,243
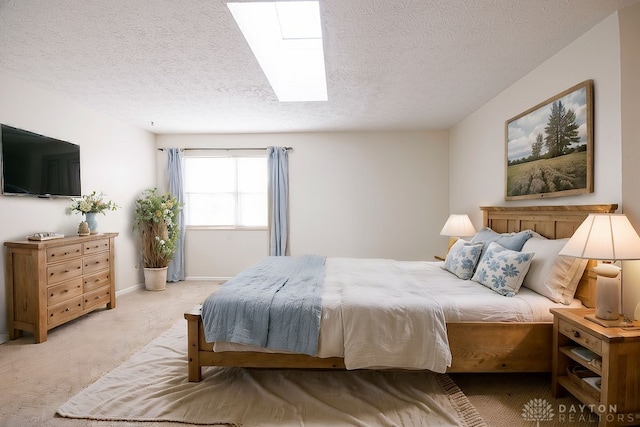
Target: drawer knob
576,334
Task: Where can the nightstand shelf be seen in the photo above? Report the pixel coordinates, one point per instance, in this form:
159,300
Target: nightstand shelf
577,391
567,351
614,354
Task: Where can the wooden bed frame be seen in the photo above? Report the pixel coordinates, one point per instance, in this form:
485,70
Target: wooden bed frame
475,346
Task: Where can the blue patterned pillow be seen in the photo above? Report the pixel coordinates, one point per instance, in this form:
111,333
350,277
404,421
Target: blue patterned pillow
502,270
513,241
462,258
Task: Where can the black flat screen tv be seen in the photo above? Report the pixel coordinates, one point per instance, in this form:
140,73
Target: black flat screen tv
36,165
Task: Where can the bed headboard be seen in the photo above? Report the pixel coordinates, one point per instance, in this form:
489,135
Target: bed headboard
553,222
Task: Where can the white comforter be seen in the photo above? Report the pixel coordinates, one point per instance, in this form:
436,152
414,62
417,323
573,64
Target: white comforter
380,313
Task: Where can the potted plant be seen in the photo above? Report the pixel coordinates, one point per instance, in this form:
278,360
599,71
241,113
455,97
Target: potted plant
90,205
156,221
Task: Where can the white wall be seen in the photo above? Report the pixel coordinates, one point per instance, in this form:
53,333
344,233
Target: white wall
609,55
630,70
116,158
360,194
477,144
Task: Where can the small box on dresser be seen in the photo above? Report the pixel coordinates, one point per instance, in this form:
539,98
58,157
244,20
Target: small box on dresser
51,282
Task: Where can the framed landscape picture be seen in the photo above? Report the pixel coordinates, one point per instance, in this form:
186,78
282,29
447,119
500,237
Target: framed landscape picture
549,148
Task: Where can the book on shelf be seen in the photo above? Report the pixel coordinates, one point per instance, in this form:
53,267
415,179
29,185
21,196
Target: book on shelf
584,353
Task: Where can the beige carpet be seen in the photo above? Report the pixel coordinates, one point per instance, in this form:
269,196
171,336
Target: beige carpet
505,400
152,386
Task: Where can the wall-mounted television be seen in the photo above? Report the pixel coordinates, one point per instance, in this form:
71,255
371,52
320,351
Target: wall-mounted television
37,165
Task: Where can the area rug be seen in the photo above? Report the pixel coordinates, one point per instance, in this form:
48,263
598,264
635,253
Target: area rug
153,386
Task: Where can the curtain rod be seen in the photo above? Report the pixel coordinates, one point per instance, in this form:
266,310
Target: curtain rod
225,149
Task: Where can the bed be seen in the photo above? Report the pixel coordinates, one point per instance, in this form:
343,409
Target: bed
475,346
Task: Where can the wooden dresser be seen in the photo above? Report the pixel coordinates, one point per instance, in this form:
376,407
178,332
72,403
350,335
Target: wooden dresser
54,281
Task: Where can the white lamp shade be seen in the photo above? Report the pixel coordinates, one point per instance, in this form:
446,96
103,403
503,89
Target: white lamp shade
458,226
604,237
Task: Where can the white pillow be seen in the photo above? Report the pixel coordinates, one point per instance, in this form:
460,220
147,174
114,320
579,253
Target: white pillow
556,277
462,258
502,270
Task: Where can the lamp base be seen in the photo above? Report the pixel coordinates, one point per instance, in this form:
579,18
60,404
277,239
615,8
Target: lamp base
620,322
607,292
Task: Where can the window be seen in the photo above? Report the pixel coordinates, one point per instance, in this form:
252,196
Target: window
226,191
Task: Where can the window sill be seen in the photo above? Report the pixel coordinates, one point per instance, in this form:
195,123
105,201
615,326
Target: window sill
218,228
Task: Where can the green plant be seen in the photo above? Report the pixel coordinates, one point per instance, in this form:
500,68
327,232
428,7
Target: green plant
92,203
156,220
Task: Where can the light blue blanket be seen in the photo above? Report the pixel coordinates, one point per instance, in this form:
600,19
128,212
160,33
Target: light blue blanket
275,304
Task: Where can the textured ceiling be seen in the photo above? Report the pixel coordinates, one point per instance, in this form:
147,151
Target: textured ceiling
184,65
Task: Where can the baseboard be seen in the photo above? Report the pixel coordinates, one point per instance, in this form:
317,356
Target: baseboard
190,278
129,289
207,278
4,338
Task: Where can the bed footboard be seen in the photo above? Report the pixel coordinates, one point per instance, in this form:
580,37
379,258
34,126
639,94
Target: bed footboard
194,322
475,347
500,346
200,353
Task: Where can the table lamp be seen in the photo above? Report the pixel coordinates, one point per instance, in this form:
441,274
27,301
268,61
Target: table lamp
457,226
609,238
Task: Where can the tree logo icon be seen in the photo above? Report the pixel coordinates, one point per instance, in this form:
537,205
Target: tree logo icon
537,410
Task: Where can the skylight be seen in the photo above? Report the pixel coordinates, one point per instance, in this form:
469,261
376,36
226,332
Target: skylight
286,39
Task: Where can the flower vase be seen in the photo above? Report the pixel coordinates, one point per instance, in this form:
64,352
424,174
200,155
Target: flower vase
92,221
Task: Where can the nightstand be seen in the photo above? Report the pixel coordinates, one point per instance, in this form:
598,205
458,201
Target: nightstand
583,349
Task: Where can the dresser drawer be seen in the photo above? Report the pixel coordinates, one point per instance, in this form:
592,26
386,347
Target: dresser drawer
58,293
62,253
96,246
65,271
97,298
580,336
96,281
67,310
96,263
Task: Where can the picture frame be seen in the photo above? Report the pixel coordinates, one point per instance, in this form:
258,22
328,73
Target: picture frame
549,148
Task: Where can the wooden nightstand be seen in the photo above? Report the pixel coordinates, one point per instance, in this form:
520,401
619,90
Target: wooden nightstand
615,358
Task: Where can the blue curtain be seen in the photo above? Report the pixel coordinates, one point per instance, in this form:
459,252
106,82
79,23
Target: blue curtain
278,164
175,272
